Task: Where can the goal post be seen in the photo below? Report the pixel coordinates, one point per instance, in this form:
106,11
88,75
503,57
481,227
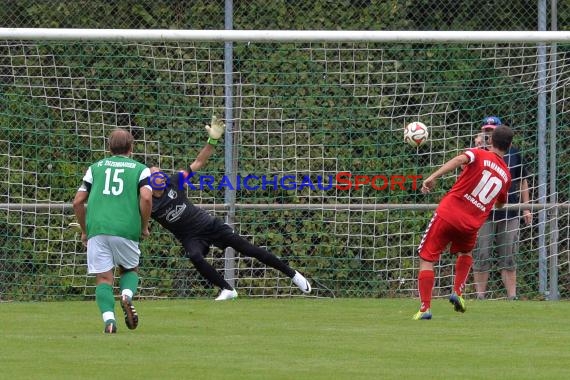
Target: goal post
324,178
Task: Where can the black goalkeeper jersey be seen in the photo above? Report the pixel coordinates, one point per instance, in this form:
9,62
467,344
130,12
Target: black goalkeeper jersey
174,211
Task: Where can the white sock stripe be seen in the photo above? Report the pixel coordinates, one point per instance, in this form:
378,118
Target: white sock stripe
108,315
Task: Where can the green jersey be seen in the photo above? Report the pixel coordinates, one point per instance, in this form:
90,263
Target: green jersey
113,205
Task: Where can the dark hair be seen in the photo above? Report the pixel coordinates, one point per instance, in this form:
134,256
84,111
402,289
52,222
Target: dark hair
502,137
121,141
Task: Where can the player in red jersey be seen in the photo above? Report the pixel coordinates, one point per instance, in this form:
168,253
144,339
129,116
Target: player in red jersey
483,183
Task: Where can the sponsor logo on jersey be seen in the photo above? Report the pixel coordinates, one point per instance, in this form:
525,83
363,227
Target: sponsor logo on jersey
176,213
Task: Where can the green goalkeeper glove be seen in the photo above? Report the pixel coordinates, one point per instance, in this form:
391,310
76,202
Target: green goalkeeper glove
215,130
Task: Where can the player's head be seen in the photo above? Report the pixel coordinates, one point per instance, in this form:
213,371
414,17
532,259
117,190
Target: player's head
501,138
121,142
158,180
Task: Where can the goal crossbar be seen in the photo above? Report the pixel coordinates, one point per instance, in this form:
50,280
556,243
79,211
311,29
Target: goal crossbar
283,35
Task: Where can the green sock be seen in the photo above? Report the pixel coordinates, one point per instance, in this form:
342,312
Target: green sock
104,298
129,280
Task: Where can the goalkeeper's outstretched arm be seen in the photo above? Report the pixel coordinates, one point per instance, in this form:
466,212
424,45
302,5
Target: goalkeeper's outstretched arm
215,131
202,158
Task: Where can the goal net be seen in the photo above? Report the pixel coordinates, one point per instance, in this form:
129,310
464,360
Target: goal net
312,124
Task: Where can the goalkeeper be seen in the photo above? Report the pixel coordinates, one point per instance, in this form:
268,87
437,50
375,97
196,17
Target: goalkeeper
197,230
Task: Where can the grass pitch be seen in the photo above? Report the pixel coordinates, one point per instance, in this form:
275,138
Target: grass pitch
287,339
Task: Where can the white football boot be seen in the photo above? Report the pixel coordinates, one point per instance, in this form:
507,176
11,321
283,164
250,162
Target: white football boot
227,294
301,282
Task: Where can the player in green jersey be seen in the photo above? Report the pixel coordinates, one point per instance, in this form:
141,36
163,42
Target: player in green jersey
120,204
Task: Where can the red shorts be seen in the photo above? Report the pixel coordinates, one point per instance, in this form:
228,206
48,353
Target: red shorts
439,234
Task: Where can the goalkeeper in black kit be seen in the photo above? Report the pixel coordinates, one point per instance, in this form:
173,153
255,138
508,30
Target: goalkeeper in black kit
197,230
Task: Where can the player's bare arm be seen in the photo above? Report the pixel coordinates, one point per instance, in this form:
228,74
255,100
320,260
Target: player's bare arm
525,198
145,206
454,163
202,158
79,209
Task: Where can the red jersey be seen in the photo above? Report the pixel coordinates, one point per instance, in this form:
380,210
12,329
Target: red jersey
484,180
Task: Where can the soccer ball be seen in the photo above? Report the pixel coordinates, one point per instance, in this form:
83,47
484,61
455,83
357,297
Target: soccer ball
416,134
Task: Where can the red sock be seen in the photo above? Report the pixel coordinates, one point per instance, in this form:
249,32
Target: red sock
425,284
462,267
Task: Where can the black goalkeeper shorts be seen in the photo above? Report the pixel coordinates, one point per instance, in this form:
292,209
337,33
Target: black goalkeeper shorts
218,234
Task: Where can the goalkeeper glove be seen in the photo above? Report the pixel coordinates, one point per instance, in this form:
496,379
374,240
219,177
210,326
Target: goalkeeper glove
215,130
